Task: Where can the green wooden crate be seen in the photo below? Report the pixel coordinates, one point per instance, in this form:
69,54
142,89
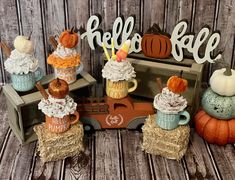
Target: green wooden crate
23,111
147,69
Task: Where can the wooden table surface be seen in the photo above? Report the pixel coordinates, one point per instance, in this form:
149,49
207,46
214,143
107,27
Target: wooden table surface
113,154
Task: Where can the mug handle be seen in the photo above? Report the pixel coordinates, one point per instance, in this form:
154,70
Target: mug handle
134,81
38,74
76,118
185,120
80,68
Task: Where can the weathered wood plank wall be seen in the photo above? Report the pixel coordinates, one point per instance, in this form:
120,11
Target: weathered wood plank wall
46,17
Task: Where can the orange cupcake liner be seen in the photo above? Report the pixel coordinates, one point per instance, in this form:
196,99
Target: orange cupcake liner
58,62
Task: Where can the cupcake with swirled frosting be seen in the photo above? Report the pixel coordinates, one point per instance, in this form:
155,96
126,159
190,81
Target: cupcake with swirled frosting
54,107
118,73
21,63
169,102
64,57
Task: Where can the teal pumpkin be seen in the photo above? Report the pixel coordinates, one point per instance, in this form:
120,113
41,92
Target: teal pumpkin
221,107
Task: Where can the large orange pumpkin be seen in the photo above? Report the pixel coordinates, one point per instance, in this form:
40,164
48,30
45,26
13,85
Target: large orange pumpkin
155,44
68,38
177,84
214,130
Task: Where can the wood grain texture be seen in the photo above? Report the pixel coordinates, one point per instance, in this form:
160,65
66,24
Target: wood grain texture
107,157
54,22
2,70
204,15
49,170
154,12
233,58
168,169
225,24
135,160
176,11
131,7
197,159
4,127
108,11
224,160
80,167
31,21
23,159
78,14
16,156
9,29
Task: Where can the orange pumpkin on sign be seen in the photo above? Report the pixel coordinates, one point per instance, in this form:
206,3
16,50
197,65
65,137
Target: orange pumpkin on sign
156,43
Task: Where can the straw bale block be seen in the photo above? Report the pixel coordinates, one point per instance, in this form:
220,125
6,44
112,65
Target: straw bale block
171,144
53,146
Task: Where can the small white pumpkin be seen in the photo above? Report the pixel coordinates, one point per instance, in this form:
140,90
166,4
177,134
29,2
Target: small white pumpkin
23,44
222,82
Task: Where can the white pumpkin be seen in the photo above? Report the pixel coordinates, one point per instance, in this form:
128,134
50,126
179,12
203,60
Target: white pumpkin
23,44
223,83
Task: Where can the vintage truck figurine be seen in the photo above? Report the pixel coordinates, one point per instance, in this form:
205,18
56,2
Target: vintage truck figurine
109,113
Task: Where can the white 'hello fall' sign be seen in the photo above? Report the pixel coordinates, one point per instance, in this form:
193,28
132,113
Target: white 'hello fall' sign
122,31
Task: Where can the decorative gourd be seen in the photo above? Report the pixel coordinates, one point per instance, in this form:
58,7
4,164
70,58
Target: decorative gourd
222,81
58,88
155,44
68,38
221,107
214,130
23,44
177,84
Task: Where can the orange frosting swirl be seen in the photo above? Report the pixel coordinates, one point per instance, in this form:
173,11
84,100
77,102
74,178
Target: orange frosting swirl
68,61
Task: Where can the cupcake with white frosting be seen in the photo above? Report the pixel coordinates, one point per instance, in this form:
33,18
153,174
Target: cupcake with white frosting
118,73
22,65
169,102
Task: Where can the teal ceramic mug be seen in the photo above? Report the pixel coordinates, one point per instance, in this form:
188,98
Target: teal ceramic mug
26,82
172,121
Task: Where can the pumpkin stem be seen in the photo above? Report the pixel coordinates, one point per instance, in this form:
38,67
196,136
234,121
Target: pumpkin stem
71,31
181,73
228,71
58,84
30,35
156,28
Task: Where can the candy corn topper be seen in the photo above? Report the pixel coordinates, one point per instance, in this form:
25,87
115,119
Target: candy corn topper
121,53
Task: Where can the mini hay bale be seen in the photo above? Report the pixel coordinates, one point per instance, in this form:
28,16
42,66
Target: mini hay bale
170,144
53,146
